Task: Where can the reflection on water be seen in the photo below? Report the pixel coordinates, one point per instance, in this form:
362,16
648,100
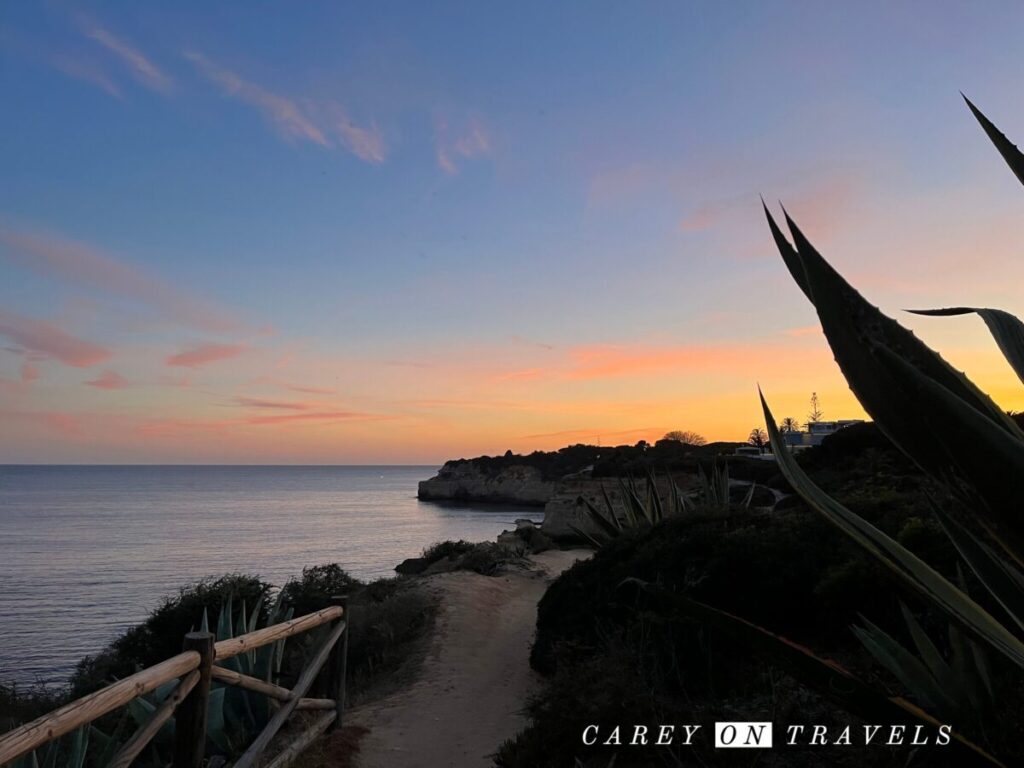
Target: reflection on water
87,551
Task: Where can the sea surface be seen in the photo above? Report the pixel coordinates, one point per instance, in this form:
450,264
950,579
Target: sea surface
88,551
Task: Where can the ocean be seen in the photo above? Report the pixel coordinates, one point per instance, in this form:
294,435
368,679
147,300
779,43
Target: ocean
88,551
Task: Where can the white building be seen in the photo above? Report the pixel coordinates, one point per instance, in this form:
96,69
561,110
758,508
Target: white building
815,432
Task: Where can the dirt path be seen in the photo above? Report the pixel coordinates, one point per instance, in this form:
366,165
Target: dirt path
475,679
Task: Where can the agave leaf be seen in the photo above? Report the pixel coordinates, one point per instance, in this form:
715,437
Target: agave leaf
52,750
908,669
657,510
110,744
823,675
1000,578
255,616
607,527
611,508
910,569
987,458
215,723
750,496
632,514
853,327
789,255
1006,329
939,668
79,748
1007,148
594,542
224,621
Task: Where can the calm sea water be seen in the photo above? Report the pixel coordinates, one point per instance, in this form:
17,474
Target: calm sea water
86,552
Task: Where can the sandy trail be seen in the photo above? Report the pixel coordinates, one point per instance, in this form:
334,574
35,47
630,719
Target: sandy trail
473,684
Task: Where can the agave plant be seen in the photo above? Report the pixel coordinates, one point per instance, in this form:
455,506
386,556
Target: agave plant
66,753
958,436
644,508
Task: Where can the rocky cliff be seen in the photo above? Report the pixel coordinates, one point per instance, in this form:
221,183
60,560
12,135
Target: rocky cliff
467,481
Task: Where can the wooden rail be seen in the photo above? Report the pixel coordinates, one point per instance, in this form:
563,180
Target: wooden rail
188,703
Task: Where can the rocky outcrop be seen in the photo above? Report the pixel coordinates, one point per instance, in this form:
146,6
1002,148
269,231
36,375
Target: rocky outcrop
465,481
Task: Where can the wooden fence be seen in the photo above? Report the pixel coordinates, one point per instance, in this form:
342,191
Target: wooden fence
195,668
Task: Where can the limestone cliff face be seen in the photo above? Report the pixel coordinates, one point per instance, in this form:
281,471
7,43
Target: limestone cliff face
464,481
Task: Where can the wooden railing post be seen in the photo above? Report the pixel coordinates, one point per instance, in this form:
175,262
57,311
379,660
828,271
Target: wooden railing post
190,719
338,667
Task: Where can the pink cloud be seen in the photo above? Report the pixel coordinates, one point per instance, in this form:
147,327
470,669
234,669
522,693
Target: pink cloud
298,119
108,380
64,423
822,205
255,402
56,257
179,426
29,373
366,143
140,67
284,113
205,354
597,433
45,340
88,72
472,141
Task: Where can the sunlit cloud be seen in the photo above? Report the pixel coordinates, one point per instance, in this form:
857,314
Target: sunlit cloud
319,122
452,146
108,380
45,340
60,423
86,71
62,259
138,64
29,373
256,402
157,427
204,354
596,434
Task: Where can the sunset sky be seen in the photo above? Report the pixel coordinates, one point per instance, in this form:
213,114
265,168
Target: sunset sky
406,232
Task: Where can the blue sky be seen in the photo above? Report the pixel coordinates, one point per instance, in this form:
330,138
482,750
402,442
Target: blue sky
438,216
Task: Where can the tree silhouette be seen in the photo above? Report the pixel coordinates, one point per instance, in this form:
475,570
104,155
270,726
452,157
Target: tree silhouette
816,413
789,424
758,438
685,436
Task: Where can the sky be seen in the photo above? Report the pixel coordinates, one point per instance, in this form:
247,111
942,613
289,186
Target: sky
406,232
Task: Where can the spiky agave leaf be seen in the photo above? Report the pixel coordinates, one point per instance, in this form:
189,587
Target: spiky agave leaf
1006,329
1013,156
913,673
908,567
983,462
1004,582
823,675
856,331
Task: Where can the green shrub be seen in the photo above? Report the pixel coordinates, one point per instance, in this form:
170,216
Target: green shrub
316,587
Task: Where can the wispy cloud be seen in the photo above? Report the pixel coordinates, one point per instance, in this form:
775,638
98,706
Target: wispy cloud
452,146
42,339
256,402
321,122
204,354
29,373
56,257
87,71
284,113
108,380
138,64
163,427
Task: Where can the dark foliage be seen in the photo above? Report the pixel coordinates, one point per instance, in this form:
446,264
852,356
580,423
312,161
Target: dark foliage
160,636
319,583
